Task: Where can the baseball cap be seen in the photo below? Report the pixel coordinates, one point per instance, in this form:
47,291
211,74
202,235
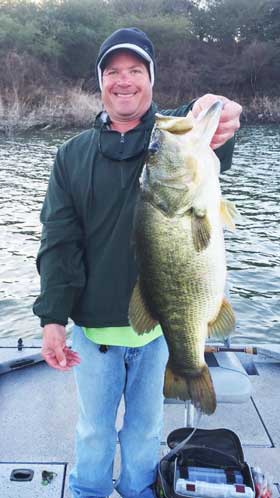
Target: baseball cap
129,39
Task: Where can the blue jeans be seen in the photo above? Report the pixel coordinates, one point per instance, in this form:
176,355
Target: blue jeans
101,379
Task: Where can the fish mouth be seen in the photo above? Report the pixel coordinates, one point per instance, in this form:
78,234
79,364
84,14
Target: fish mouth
154,147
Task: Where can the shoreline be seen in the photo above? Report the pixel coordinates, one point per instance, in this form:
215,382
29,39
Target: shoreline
75,109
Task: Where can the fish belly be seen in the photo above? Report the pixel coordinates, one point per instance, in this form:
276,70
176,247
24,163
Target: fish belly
182,287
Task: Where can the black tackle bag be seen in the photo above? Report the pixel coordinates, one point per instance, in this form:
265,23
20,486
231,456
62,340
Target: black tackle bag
215,452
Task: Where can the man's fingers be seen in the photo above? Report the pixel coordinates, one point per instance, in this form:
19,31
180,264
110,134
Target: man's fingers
227,126
229,123
206,101
224,132
72,362
55,359
50,359
230,111
52,362
71,354
70,351
72,359
220,139
65,356
54,349
60,356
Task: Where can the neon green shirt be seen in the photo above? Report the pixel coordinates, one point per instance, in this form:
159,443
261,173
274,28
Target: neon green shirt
121,336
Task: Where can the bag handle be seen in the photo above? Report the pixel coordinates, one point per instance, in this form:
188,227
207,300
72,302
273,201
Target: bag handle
232,458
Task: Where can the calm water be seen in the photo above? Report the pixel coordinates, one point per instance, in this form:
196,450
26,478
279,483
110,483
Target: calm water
253,250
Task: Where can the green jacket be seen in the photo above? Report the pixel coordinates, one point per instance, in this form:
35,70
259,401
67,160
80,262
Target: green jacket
86,259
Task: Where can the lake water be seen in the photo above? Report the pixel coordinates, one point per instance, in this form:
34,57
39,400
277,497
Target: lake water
253,249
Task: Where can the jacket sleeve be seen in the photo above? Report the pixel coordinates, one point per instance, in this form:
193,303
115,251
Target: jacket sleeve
60,258
224,153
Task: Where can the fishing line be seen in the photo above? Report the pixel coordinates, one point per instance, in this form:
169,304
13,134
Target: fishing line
187,439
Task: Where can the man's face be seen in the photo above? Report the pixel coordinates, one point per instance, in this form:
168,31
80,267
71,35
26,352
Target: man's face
126,87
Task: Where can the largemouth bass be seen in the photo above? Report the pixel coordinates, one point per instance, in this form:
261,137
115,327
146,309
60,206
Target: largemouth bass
180,251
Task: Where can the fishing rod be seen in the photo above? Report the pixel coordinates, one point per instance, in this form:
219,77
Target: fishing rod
223,349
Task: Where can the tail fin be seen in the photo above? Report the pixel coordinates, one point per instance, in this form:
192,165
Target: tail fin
197,387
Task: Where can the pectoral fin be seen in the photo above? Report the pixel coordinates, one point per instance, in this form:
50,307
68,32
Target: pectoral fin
138,313
201,230
224,323
229,213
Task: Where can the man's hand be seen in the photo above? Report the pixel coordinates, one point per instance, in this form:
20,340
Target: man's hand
54,349
229,121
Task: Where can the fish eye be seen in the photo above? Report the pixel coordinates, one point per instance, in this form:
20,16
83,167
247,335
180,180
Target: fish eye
153,147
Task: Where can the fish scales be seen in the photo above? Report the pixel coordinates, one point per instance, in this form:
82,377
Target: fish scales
180,252
179,294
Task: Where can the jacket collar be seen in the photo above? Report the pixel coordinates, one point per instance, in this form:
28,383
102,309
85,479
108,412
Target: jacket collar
124,146
102,119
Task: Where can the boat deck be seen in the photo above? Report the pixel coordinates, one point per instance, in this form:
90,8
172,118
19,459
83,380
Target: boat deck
39,412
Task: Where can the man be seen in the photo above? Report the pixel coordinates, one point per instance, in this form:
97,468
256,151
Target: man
88,271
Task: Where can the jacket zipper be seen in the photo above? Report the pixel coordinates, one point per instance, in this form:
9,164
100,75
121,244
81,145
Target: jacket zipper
121,151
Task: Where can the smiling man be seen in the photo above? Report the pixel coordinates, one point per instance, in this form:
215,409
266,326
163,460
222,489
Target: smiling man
126,90
88,271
